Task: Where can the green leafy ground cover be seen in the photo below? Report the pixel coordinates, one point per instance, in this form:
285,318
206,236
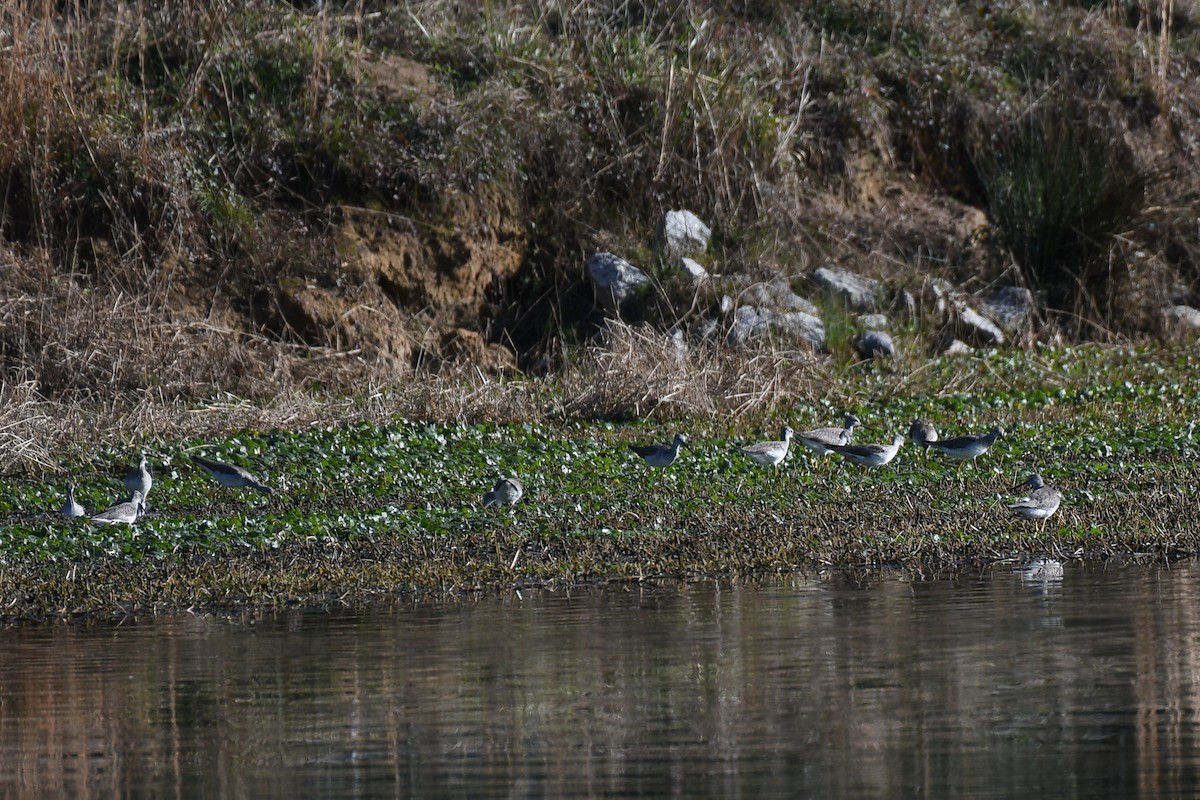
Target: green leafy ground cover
363,511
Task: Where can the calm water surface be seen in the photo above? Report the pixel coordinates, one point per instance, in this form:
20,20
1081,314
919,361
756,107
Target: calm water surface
995,686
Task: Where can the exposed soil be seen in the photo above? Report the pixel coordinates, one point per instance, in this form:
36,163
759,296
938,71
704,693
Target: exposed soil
275,199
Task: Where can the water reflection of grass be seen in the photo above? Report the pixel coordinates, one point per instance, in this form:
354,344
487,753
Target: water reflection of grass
362,510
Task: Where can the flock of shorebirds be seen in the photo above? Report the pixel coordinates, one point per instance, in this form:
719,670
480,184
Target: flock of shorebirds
138,482
1040,502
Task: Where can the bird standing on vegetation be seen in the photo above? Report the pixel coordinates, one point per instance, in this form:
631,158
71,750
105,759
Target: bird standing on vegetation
967,448
1041,502
770,454
922,433
506,492
72,508
870,455
230,475
820,440
660,455
139,479
122,513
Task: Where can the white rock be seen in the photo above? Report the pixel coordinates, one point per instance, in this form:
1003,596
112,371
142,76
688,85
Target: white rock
954,347
776,295
692,270
614,278
801,325
976,328
851,289
1180,318
935,295
1010,307
745,326
874,344
875,321
750,323
681,233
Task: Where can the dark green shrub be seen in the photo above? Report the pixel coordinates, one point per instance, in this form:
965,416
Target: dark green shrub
1060,181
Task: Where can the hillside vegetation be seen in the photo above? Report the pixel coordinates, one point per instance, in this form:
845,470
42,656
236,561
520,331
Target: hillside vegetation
256,199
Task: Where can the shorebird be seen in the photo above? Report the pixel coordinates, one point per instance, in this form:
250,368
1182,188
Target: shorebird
770,454
922,433
870,455
967,448
230,475
124,513
1041,502
506,492
660,455
821,440
139,480
71,508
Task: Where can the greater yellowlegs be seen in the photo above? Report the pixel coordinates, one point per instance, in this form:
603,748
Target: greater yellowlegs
660,455
770,454
922,433
72,508
821,440
231,475
122,513
967,448
506,492
1041,502
139,479
870,455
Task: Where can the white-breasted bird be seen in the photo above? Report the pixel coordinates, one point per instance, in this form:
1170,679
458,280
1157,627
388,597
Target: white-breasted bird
660,455
770,454
507,491
230,475
125,513
967,448
72,508
139,479
870,455
820,440
1040,503
922,433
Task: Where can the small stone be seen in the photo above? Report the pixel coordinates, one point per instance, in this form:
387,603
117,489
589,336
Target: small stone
777,295
707,329
976,328
692,270
681,233
876,321
799,325
935,296
1010,307
615,279
954,347
745,326
1180,318
851,289
874,344
750,323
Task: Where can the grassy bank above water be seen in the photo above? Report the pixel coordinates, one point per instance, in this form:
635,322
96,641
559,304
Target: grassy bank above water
363,510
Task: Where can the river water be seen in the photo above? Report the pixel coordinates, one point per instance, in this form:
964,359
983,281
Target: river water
1084,684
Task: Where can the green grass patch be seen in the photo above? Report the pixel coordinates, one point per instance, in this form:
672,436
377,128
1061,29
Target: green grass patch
364,509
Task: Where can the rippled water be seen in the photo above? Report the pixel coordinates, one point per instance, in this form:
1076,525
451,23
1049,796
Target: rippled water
998,686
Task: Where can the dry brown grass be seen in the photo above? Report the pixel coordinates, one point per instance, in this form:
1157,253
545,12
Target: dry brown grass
632,373
164,170
639,372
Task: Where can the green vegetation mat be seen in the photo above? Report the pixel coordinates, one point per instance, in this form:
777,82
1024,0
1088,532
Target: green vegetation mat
364,511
